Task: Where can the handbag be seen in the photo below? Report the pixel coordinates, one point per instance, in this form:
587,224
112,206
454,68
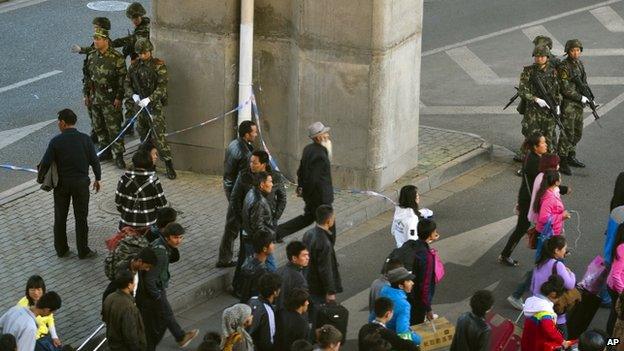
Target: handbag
568,299
438,266
532,235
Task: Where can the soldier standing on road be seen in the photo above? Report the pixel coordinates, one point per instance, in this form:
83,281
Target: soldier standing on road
146,84
536,114
98,22
572,106
103,93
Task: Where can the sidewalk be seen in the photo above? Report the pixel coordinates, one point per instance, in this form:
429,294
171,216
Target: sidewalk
28,247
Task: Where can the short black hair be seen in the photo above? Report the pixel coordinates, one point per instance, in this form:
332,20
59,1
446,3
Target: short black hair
481,302
68,116
103,22
260,177
296,298
301,345
262,156
245,127
323,213
261,240
147,255
294,248
34,282
173,228
50,300
592,340
211,342
165,215
554,284
374,342
141,159
268,284
8,342
123,278
382,306
425,228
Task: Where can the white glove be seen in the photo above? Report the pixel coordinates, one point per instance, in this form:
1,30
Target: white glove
541,103
144,102
136,98
75,48
584,100
558,110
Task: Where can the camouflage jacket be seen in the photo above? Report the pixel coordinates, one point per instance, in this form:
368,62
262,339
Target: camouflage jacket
568,69
127,42
147,79
106,76
548,76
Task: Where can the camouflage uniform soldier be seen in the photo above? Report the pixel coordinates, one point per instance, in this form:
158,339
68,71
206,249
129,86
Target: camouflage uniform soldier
542,40
146,84
572,106
103,93
536,115
98,22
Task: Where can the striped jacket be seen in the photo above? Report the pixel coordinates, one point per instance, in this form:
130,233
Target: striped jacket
138,195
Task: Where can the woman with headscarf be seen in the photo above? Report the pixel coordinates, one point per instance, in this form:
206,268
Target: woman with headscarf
233,323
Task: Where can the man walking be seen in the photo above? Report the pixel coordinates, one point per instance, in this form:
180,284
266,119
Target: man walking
146,84
314,180
292,272
257,215
155,308
237,155
124,327
72,152
103,93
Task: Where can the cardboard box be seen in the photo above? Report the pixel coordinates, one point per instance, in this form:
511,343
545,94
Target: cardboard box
442,337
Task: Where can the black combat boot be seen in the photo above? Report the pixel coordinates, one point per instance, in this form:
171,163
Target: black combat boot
572,161
171,173
564,168
119,161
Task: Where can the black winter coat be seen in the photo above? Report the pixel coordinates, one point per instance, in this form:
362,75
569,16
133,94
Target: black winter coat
245,182
292,277
291,326
390,336
260,330
256,214
323,276
236,159
471,333
314,175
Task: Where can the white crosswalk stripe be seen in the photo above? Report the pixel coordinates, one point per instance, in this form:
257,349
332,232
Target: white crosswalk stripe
609,18
480,72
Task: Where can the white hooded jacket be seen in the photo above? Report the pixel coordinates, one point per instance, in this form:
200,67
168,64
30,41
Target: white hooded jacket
404,225
538,303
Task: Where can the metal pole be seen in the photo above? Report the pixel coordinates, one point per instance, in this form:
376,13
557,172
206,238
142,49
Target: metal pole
245,60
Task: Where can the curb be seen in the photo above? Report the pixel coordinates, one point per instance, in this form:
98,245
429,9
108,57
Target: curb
220,282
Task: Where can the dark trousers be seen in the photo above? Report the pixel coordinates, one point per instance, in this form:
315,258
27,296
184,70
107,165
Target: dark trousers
75,191
315,305
612,314
524,285
158,317
45,344
522,226
230,233
296,224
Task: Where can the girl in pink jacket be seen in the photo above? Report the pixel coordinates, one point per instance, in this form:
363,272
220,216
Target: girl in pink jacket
549,205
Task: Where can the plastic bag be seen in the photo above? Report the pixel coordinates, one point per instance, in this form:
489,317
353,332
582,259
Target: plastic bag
595,276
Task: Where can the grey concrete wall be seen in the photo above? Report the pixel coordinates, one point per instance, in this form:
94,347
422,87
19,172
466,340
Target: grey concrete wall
355,65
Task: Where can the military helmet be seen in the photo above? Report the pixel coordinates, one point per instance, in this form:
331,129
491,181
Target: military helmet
102,22
573,43
135,10
543,40
541,50
143,45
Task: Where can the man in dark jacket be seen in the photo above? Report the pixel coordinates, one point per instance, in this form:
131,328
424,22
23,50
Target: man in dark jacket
153,303
291,321
254,267
323,277
292,273
124,327
383,308
472,332
263,329
314,180
73,152
257,217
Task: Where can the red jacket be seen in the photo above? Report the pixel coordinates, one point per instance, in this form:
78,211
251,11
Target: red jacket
540,333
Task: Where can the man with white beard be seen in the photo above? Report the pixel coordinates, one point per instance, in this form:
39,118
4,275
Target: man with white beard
314,180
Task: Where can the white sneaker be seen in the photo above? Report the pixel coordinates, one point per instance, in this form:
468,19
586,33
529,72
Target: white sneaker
516,303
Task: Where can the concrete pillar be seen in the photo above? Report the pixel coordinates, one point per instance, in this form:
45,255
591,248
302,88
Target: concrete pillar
354,65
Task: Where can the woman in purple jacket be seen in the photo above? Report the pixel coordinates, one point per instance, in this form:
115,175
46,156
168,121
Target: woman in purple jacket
550,262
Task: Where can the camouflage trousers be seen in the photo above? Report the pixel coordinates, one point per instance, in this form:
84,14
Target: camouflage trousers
534,120
130,111
107,125
159,129
572,119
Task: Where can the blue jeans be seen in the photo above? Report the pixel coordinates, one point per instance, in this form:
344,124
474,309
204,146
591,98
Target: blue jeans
45,343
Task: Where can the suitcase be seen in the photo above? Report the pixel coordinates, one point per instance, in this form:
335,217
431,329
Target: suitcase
582,314
333,314
505,335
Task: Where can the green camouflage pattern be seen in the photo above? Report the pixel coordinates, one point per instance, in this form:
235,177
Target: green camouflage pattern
573,43
541,50
135,10
537,119
571,107
107,125
543,40
143,45
149,78
127,42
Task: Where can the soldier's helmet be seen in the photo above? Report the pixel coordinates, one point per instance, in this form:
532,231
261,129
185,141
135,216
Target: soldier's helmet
135,10
143,45
102,22
101,32
541,50
573,43
543,40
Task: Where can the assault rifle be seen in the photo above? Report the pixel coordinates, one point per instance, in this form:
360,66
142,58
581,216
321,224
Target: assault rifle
586,91
552,106
513,98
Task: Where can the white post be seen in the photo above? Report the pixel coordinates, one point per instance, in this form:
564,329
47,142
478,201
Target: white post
245,64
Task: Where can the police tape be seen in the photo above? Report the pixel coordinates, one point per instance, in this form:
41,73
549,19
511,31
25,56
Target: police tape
123,131
15,168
